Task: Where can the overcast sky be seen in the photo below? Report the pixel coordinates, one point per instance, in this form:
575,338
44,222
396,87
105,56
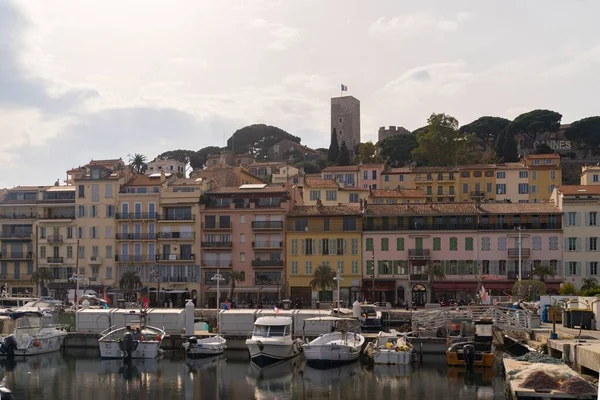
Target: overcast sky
104,79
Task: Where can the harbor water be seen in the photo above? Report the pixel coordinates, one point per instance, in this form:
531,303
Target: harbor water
81,375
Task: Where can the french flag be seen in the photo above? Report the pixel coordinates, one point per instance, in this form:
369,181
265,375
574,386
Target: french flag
344,88
276,310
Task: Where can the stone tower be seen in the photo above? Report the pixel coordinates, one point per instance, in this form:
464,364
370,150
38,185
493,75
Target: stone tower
345,119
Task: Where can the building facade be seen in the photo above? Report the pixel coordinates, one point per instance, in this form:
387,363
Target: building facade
166,165
384,133
323,235
345,120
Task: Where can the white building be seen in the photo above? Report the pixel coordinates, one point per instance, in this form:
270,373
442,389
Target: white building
169,165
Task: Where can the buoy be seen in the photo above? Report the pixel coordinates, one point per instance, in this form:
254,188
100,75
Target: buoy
36,343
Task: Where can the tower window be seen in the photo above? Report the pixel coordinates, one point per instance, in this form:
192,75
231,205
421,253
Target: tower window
340,120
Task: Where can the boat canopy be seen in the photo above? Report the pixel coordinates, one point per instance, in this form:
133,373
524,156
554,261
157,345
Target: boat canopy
16,315
328,319
273,321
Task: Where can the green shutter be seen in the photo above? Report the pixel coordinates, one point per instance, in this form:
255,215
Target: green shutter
369,244
437,244
469,243
385,244
400,244
462,267
370,267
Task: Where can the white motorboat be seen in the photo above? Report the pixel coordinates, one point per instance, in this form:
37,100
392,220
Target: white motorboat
272,341
391,349
339,346
207,347
136,340
30,333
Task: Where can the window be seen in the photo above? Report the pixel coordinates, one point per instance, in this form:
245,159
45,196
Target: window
550,189
95,192
109,252
242,256
300,225
440,176
340,267
437,244
242,219
485,244
401,178
523,188
108,234
572,268
108,192
354,246
553,245
294,247
109,273
489,174
429,190
354,198
537,242
354,267
536,162
592,218
593,268
553,175
308,247
81,252
440,190
370,268
523,174
488,187
386,178
81,191
93,232
385,246
308,268
533,189
533,175
593,244
43,251
571,218
294,267
400,244
469,243
81,212
500,188
465,174
453,244
596,178
324,247
93,211
501,243
349,224
242,238
500,175
451,176
331,195
369,244
374,174
465,188
477,174
315,195
502,267
42,233
110,211
571,244
485,267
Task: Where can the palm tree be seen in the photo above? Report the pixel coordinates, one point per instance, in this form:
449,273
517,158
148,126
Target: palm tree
130,283
542,271
41,277
323,278
589,283
234,277
435,271
138,163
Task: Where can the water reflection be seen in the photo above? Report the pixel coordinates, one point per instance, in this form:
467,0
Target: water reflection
232,376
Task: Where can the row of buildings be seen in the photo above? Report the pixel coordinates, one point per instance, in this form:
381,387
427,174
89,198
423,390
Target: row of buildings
177,233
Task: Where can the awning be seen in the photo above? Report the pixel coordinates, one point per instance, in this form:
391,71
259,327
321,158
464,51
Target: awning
174,291
246,289
455,285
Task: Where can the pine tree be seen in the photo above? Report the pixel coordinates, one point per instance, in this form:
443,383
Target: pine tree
509,148
344,155
334,148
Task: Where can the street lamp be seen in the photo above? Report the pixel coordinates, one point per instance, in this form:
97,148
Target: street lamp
519,228
158,296
218,277
338,278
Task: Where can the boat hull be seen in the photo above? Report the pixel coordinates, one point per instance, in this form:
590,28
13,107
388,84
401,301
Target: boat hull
46,344
144,350
333,348
481,359
392,357
203,349
263,354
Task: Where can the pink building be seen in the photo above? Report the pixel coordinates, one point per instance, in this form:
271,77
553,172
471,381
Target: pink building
369,176
472,244
242,231
365,176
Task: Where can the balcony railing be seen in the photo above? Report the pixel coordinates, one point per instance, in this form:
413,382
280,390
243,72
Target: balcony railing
511,226
55,260
514,252
267,244
18,216
419,277
514,275
266,282
15,235
217,263
177,257
267,263
55,238
478,193
136,236
216,227
176,235
16,256
136,215
217,245
95,260
267,225
418,253
465,226
134,257
178,217
54,216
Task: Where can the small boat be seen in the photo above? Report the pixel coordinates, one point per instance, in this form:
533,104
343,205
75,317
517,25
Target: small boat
337,347
30,333
272,341
5,393
476,353
391,349
207,347
136,340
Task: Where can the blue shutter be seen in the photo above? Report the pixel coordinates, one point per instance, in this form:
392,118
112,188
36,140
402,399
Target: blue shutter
578,269
577,219
566,245
495,267
587,244
560,268
587,218
587,268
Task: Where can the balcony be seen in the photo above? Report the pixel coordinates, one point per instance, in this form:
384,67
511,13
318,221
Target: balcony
176,235
136,236
267,263
508,227
185,217
477,194
19,216
136,216
267,245
179,279
267,282
16,256
54,217
177,257
225,226
418,254
95,260
55,239
217,263
55,260
514,252
135,257
266,225
514,275
419,277
216,245
15,235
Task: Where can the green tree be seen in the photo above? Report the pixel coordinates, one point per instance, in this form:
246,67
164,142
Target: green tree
138,162
179,155
586,132
567,289
198,159
334,148
487,129
421,130
589,283
234,278
543,272
528,290
367,153
42,277
344,155
444,145
536,122
397,150
435,272
257,139
543,148
309,167
130,283
323,278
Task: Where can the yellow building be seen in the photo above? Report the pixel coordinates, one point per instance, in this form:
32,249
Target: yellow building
590,175
395,178
440,184
397,196
476,182
330,193
544,175
323,235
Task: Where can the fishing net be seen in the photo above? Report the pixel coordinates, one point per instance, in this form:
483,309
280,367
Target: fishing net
556,372
535,357
539,380
575,385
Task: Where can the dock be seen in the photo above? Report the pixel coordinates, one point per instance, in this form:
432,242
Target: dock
516,392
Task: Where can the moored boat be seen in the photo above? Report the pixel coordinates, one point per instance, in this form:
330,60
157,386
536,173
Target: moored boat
272,341
476,353
337,347
391,349
207,347
30,333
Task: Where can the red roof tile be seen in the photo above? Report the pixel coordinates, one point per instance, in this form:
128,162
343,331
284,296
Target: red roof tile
316,211
461,209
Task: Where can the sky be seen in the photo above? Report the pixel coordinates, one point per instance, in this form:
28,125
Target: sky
104,79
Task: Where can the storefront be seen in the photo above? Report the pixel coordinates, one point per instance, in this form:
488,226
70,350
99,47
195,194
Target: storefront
460,290
382,291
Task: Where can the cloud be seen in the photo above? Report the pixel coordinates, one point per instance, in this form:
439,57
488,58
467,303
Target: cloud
282,36
313,82
416,23
18,86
